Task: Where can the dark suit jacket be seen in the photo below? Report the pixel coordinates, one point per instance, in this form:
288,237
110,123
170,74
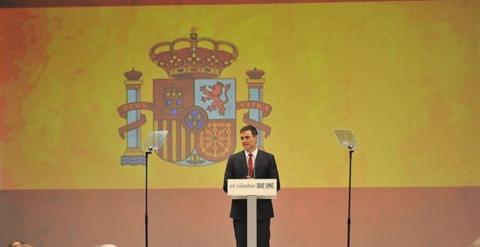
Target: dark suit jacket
237,168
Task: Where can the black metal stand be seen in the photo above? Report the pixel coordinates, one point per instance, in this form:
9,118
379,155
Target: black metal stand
146,195
349,222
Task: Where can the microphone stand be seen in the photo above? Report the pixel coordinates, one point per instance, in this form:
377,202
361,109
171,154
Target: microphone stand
350,152
146,194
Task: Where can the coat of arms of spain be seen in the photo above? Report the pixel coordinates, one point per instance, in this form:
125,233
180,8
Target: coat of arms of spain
195,104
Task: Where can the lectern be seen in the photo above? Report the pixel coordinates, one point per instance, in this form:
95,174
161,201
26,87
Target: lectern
251,190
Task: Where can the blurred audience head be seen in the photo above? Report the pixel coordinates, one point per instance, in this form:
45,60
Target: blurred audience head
16,244
19,244
476,243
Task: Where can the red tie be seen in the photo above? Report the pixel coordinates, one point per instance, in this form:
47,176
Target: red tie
250,166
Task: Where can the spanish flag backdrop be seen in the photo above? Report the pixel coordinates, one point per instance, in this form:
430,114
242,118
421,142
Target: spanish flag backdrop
81,87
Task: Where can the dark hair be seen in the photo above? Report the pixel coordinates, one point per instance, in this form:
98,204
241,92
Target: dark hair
251,128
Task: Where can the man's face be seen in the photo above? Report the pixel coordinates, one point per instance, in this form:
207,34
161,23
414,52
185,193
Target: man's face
249,142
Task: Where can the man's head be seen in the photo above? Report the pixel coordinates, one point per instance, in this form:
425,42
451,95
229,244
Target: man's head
248,136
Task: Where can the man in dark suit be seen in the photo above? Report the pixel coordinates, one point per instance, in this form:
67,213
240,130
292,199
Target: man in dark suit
251,163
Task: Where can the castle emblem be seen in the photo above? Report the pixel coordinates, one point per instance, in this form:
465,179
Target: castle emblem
196,105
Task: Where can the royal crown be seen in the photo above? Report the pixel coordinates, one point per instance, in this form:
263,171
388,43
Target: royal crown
194,57
133,75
